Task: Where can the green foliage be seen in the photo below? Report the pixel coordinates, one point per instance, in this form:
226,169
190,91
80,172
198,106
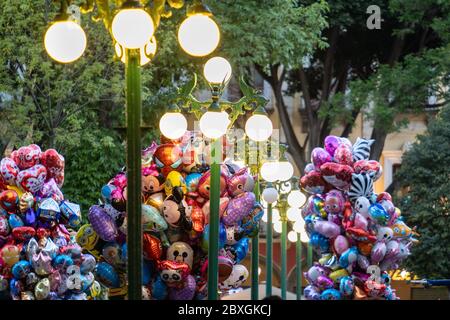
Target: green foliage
269,32
90,165
425,173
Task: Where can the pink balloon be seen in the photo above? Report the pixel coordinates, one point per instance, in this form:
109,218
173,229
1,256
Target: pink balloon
340,244
32,179
360,222
222,207
343,155
378,252
327,228
319,156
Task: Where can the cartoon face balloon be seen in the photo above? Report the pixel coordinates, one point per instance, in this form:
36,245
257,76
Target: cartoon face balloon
174,179
173,273
174,210
10,254
87,237
152,183
334,202
168,157
181,252
240,182
204,184
236,278
9,200
152,219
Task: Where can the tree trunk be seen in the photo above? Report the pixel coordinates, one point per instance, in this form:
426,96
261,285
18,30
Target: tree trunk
379,135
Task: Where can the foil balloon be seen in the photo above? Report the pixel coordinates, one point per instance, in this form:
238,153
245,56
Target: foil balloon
343,155
348,257
111,252
311,292
326,228
334,202
238,208
361,149
205,182
27,156
340,244
152,248
186,292
346,286
370,167
319,156
173,273
26,202
32,179
240,182
102,223
314,183
71,212
4,226
330,294
49,210
363,261
42,263
9,200
237,277
51,190
55,163
88,239
88,264
318,240
378,214
106,274
42,289
22,234
21,269
331,143
192,181
174,179
159,289
15,221
168,157
181,252
222,237
152,219
337,275
222,207
250,222
9,171
336,174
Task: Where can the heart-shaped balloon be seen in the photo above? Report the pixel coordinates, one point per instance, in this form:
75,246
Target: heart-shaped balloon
55,163
22,234
51,190
338,175
9,171
371,167
27,156
331,144
102,223
313,183
32,179
4,226
343,155
319,156
238,208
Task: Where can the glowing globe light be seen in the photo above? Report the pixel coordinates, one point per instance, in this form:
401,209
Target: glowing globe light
270,195
214,124
296,199
285,171
304,237
258,127
269,171
198,35
277,227
145,52
217,70
299,225
132,28
292,236
173,125
65,41
294,214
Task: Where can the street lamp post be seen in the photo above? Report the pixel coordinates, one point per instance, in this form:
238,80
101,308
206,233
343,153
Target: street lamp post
216,117
131,25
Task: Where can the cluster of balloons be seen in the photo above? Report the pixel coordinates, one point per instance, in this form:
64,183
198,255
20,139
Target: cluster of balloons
175,222
39,257
359,234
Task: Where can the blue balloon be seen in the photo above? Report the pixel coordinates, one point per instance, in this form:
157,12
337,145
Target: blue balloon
21,269
30,217
330,294
192,180
318,240
159,289
106,191
15,221
241,249
346,286
222,237
62,261
348,256
146,272
107,275
14,287
379,214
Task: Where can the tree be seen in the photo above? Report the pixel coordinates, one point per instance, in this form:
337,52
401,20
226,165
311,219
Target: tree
425,175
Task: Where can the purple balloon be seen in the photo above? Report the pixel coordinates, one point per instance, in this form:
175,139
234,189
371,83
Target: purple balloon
324,282
311,293
102,223
308,168
319,156
378,252
30,218
185,293
238,208
392,249
331,144
363,262
327,228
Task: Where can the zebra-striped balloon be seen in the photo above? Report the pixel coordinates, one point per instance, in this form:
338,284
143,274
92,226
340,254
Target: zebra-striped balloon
361,149
361,186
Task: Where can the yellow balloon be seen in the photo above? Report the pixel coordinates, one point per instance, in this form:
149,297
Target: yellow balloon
87,238
337,275
16,189
174,179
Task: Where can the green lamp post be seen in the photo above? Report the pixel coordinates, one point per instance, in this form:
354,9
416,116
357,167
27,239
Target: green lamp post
216,117
132,24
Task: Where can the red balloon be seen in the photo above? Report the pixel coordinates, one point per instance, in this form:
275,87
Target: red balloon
152,247
168,157
27,157
23,233
314,183
32,179
338,175
55,163
343,155
9,200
